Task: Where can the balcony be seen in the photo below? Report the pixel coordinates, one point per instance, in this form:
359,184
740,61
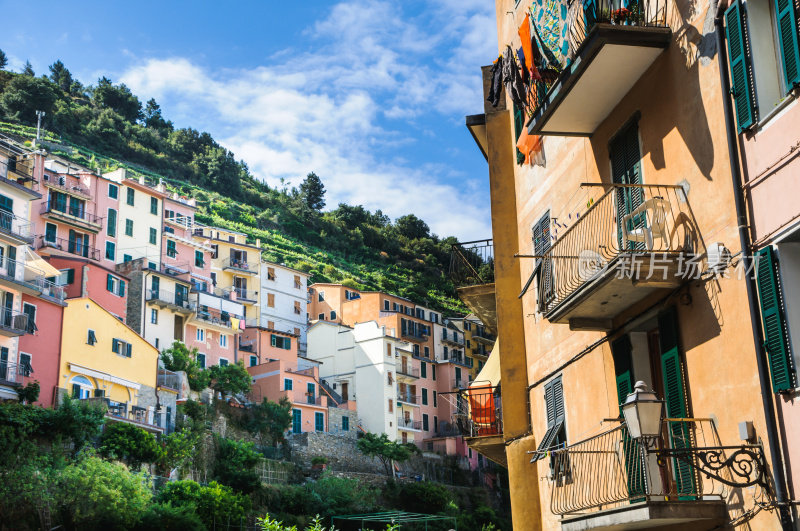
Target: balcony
615,46
76,217
15,230
216,322
245,295
407,371
452,338
173,301
480,334
67,186
407,398
168,380
633,241
16,374
472,272
409,424
70,247
459,383
49,289
413,335
240,266
482,422
13,324
122,412
459,358
683,478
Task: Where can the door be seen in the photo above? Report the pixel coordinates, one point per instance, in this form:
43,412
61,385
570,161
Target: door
622,352
297,421
155,287
181,294
311,393
6,212
345,392
178,329
458,376
626,170
405,437
240,285
3,363
11,268
8,304
319,421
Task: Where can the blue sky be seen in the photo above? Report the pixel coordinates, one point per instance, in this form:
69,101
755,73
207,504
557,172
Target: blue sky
369,94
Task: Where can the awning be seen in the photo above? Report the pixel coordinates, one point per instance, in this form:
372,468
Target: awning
38,266
490,374
86,371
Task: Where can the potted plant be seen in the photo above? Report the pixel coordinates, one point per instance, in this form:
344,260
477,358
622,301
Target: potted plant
319,463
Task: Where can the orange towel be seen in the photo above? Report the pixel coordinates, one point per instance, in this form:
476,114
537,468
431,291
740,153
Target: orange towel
529,145
527,49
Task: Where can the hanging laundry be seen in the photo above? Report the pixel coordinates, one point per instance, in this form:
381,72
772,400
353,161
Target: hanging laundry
496,87
241,324
234,323
531,147
549,19
527,48
512,80
523,70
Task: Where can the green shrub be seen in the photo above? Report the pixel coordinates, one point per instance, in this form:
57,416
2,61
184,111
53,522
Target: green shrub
235,463
420,497
129,443
165,517
214,503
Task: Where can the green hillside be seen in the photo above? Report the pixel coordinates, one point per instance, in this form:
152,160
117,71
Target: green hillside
105,127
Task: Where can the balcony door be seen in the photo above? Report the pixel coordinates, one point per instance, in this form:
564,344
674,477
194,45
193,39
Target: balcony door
6,212
345,391
626,170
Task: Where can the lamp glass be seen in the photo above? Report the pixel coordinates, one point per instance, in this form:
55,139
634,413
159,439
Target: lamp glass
650,418
631,413
642,412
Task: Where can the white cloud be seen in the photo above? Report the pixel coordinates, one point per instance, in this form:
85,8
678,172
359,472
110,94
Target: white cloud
332,111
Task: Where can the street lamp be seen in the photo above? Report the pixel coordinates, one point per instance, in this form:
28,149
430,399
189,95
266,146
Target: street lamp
642,412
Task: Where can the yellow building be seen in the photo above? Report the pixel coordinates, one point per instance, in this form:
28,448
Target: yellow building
104,360
613,223
478,341
235,267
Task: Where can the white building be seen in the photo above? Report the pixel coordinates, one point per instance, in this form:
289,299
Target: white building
374,369
284,301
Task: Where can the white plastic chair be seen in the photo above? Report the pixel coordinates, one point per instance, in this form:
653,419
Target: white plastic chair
654,226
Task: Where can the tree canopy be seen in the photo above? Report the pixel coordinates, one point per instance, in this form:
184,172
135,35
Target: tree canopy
312,192
384,449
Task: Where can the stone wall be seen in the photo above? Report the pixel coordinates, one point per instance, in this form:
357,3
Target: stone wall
341,451
335,415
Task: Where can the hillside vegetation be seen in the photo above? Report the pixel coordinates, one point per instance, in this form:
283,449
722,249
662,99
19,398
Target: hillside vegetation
105,126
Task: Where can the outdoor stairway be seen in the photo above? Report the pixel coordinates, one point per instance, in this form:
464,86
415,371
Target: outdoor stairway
333,395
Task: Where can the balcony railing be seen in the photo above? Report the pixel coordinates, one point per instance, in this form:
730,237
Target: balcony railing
409,424
68,186
168,298
687,464
168,379
472,263
13,323
638,233
452,337
479,333
15,373
408,398
408,370
459,383
484,412
447,429
73,214
459,358
48,288
71,247
213,319
413,335
240,265
16,227
121,411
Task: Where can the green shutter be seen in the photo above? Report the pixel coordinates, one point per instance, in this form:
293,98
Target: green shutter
111,227
110,283
675,400
70,276
519,123
626,169
787,41
773,321
621,351
738,63
121,288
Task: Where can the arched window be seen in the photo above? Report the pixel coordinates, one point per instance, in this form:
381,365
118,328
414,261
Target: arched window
81,387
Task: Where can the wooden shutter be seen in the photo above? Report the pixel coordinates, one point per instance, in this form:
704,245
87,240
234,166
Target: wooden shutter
774,321
111,227
738,63
110,283
549,400
680,433
626,169
621,350
787,41
519,123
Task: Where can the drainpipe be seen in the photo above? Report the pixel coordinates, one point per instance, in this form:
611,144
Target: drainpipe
776,456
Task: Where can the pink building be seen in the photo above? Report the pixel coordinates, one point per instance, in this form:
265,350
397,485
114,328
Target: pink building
82,277
280,372
42,347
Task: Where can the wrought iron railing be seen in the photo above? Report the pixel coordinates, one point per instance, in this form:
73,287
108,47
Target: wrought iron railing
15,322
408,370
481,412
15,372
72,212
452,337
623,225
48,288
67,185
472,263
688,463
173,299
480,333
240,265
409,424
15,226
408,398
413,335
168,379
70,246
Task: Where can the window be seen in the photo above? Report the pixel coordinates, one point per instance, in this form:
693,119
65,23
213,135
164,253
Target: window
287,384
154,205
171,251
321,317
271,325
121,347
128,227
25,364
425,426
555,435
113,191
386,304
201,360
270,273
111,251
319,421
131,193
214,250
469,345
773,318
427,352
158,344
223,362
223,340
81,387
389,378
50,232
424,397
540,233
154,316
321,296
345,423
66,277
435,422
423,369
433,372
91,338
111,226
30,311
115,285
391,406
333,315
281,342
253,361
199,259
271,300
388,350
200,335
297,421
297,309
153,236
434,400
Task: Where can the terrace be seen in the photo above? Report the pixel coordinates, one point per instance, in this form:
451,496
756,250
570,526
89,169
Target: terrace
472,272
15,230
72,215
70,246
240,266
173,301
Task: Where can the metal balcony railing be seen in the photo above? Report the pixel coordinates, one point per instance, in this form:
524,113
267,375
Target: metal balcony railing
172,299
414,335
688,463
72,212
447,429
460,383
645,13
624,222
409,424
14,323
71,247
168,379
408,398
15,372
68,186
243,294
480,333
240,265
481,414
48,288
472,263
452,337
16,227
408,370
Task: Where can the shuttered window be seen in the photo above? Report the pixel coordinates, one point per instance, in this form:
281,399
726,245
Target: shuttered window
540,233
739,66
621,350
519,123
626,168
556,435
787,41
773,320
111,226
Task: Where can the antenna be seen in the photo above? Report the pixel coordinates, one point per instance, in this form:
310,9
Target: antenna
39,116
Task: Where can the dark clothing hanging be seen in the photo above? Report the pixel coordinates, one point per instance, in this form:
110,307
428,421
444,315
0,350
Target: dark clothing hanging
496,87
512,80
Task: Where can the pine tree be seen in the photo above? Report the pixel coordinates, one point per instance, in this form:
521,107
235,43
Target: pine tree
3,60
312,192
28,70
61,76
